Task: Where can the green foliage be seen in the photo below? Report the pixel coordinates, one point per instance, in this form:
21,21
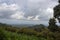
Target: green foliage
52,25
3,36
13,33
57,11
14,36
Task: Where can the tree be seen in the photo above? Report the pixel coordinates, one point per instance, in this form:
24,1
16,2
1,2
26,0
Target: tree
52,25
57,11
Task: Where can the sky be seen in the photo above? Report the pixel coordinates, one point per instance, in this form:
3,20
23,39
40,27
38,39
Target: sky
26,11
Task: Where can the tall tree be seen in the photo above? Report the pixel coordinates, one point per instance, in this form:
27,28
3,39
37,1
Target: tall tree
52,25
57,11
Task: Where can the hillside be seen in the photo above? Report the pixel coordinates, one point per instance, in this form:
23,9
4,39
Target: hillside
7,32
6,35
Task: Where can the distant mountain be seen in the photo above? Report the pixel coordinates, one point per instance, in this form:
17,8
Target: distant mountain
22,25
38,26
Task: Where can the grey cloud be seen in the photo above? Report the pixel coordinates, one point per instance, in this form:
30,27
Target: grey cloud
6,13
31,8
7,1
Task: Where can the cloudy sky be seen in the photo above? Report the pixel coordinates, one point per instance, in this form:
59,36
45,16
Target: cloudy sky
26,11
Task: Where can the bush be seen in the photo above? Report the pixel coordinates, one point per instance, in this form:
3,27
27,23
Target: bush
2,35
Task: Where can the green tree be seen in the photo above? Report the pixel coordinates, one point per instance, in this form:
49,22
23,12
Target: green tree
57,11
52,25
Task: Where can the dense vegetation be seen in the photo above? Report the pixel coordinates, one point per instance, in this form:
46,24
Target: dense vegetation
11,33
5,35
8,32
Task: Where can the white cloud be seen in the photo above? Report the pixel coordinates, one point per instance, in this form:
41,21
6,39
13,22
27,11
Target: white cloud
30,17
36,17
14,7
49,12
5,6
18,15
11,11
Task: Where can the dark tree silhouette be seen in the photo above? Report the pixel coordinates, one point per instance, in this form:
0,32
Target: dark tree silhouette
52,25
52,22
57,11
